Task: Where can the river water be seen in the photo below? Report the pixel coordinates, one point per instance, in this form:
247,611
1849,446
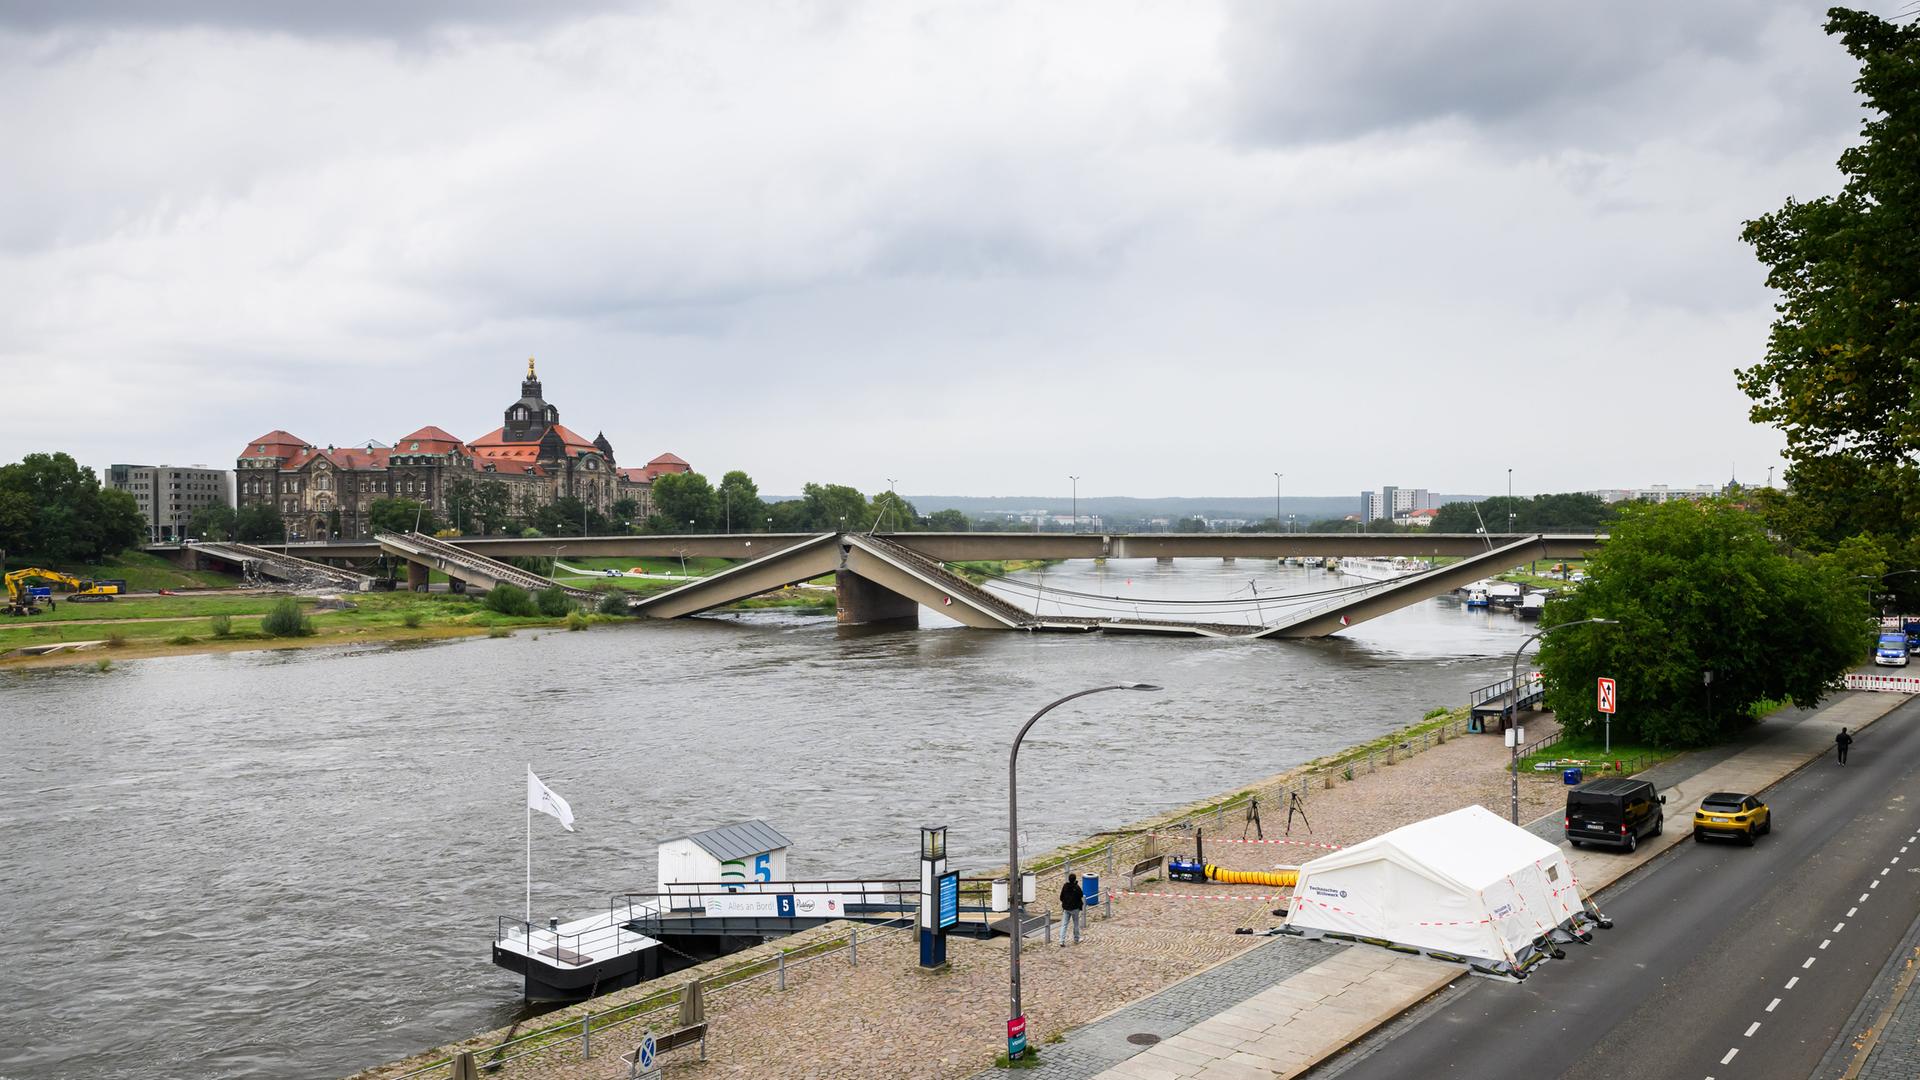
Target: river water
290,863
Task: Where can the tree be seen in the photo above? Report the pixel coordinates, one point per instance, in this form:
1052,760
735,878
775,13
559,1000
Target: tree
568,516
832,507
1699,587
625,509
948,521
459,497
400,516
1190,525
492,506
259,523
680,499
53,508
1839,367
740,507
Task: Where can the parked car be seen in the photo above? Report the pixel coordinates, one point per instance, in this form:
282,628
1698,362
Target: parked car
1731,814
1614,813
1891,650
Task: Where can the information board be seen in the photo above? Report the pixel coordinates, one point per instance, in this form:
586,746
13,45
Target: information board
949,899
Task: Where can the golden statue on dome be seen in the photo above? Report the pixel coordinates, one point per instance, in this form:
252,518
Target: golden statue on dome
530,367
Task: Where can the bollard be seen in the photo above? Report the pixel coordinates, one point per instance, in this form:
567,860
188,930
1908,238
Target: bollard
586,1033
783,969
1048,927
853,948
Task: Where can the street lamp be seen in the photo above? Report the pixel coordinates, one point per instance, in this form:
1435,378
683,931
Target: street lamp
1510,504
1872,610
1013,832
1276,500
1514,681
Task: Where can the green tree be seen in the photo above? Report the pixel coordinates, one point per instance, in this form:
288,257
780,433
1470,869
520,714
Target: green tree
568,516
285,619
625,509
891,513
740,505
55,509
259,523
830,507
553,601
789,516
459,498
511,600
400,516
948,521
680,498
1699,587
1839,368
492,506
1190,525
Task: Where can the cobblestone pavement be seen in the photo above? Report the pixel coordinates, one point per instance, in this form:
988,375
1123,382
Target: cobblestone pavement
1895,1054
1091,1050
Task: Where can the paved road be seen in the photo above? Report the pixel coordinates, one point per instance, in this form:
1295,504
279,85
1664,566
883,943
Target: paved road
1727,962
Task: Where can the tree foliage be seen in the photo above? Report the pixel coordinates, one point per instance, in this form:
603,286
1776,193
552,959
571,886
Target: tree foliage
1568,512
511,600
1843,357
259,523
401,515
739,503
682,502
492,506
948,520
55,510
1699,587
214,521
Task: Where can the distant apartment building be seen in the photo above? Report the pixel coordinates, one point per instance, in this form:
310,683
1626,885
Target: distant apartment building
1658,493
168,495
1393,502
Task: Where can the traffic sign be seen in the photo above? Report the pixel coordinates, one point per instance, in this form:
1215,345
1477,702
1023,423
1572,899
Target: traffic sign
1016,1037
1606,696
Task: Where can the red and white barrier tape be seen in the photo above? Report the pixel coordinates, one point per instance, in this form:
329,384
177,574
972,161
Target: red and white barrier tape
1199,896
1211,840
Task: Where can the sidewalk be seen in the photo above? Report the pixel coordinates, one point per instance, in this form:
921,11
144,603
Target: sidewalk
1285,1030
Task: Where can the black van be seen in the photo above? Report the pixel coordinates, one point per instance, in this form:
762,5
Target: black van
1616,813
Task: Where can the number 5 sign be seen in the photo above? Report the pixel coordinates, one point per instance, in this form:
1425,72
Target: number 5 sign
1606,696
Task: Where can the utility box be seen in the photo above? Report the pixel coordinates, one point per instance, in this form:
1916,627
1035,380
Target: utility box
733,855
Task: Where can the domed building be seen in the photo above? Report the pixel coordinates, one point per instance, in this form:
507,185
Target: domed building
326,493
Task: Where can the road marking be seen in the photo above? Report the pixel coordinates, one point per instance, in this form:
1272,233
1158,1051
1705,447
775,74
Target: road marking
1807,965
1850,912
1876,882
1903,851
1863,898
1826,942
1791,981
1883,871
1893,860
1839,926
1728,1060
1772,1005
1751,1028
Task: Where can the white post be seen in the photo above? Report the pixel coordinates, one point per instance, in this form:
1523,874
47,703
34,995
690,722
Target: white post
529,876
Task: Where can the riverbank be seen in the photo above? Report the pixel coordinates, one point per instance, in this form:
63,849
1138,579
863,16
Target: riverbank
884,1018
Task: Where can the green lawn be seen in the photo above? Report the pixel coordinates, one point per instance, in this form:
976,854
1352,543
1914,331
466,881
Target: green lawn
143,572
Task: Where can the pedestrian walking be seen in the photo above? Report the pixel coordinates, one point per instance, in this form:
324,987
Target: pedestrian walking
1073,904
1841,742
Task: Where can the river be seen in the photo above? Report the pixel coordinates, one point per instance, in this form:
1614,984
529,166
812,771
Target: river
290,863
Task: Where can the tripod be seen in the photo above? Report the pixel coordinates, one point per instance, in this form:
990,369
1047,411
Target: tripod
1253,820
1297,805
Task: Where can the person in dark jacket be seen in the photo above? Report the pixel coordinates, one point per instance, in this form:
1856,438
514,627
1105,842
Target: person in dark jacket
1073,903
1841,742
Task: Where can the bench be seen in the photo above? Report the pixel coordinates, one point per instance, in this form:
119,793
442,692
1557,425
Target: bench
1153,864
665,1041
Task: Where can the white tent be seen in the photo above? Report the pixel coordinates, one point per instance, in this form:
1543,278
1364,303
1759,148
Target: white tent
1465,885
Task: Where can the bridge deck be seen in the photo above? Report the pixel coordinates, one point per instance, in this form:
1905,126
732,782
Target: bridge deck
467,566
284,567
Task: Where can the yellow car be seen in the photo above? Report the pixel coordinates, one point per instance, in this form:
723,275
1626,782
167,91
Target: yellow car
1729,813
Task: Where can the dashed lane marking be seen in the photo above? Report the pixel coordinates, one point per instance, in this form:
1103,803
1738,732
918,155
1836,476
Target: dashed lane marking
1772,1005
1807,965
1751,1028
1824,942
1850,912
1791,981
1839,926
1728,1060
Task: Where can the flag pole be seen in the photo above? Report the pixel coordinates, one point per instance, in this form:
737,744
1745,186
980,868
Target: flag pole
529,875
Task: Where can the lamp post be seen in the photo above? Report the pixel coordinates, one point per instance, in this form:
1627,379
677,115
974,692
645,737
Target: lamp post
1513,765
1510,504
1076,503
1871,609
891,498
726,496
1276,500
1013,833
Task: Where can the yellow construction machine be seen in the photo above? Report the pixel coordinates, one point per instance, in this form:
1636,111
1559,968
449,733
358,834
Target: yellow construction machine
21,599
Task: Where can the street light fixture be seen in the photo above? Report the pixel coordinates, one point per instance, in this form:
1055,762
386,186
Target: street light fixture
1510,503
1276,500
1013,833
1513,765
1075,525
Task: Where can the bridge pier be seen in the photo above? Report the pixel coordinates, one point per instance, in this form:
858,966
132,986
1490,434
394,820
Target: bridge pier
1226,560
862,602
416,576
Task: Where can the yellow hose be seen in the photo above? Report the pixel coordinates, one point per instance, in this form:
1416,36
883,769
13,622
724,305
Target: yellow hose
1282,879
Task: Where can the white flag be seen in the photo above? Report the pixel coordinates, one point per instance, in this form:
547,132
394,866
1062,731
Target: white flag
541,798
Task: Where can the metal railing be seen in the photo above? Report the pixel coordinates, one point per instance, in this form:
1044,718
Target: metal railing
444,555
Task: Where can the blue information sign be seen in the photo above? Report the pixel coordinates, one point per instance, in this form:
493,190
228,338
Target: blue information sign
949,899
783,905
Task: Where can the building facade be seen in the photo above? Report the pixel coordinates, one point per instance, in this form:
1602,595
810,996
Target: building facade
169,496
1393,502
1658,493
323,493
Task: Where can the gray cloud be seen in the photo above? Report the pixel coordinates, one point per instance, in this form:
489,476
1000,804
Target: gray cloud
353,18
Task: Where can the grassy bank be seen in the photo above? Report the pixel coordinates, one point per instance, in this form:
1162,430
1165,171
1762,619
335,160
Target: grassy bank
978,571
141,571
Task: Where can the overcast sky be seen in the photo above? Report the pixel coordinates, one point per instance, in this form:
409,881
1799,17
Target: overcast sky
977,247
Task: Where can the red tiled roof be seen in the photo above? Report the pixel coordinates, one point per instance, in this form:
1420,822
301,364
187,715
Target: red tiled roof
274,444
432,440
494,444
669,459
351,458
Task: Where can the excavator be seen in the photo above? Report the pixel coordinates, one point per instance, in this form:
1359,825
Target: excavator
21,601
